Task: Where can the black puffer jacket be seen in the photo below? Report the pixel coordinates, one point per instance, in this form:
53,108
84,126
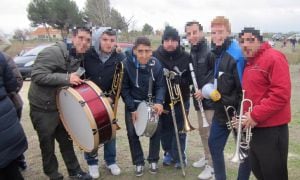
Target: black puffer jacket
202,62
181,59
99,72
229,84
13,142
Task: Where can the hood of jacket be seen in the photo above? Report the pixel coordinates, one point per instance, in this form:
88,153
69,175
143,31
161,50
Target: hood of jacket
96,38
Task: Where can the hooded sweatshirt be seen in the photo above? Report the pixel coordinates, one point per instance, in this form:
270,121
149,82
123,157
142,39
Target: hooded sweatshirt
100,67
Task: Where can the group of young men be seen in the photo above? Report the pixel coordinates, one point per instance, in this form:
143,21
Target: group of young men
249,64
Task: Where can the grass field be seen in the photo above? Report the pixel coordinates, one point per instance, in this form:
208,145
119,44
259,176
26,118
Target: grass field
194,147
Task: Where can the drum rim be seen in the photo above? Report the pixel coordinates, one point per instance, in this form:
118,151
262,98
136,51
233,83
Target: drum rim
107,106
93,125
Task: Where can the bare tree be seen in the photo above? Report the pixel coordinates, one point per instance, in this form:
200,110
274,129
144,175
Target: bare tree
98,11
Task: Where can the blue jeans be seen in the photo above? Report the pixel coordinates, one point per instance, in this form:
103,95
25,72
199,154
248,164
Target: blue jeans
216,142
136,150
109,154
168,138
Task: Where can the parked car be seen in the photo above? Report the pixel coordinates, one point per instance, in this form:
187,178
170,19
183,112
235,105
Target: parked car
124,45
24,61
184,42
278,37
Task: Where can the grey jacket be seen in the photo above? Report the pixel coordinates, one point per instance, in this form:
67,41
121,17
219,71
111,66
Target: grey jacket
50,72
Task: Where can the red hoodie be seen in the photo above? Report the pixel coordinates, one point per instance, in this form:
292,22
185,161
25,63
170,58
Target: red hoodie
266,81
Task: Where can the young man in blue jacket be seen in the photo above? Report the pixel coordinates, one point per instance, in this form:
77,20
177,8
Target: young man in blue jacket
140,68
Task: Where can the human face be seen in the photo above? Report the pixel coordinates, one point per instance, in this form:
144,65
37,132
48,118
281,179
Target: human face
143,53
170,45
107,43
249,44
81,41
218,34
193,34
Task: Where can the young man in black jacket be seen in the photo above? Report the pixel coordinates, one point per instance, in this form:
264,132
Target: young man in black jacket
140,69
99,63
200,54
174,58
227,71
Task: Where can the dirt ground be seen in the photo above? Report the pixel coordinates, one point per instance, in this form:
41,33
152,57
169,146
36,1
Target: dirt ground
194,147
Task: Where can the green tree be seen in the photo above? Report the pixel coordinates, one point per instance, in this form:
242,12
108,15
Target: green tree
64,15
39,14
147,29
60,14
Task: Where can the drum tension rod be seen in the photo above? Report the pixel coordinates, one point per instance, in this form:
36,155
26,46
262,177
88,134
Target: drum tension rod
82,103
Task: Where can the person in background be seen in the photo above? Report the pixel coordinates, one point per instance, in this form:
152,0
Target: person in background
13,141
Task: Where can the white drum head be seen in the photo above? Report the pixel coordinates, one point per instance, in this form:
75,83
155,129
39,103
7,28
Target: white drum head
142,118
77,119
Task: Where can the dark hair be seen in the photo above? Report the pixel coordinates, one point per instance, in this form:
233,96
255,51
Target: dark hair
253,31
110,32
141,40
75,30
192,23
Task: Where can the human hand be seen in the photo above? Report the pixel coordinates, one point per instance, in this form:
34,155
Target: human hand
249,122
133,116
75,79
198,95
158,108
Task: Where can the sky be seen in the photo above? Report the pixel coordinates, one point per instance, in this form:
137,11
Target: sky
266,15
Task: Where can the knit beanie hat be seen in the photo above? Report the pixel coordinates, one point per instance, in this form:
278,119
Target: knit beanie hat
170,33
253,31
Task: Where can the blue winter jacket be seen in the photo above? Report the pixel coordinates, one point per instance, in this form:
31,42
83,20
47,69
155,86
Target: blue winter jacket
12,137
136,81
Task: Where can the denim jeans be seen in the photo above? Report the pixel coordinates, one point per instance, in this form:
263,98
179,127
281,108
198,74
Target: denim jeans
136,150
217,140
109,154
168,137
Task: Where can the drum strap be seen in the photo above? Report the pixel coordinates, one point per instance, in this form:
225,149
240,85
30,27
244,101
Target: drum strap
151,79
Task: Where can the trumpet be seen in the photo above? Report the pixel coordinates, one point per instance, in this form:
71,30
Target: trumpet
205,123
242,136
116,88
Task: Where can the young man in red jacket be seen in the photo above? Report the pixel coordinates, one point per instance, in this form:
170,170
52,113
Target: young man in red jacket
266,81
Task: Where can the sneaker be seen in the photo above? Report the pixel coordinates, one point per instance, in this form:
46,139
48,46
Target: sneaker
80,175
153,168
56,176
22,165
178,165
94,171
207,173
167,160
200,163
139,170
114,169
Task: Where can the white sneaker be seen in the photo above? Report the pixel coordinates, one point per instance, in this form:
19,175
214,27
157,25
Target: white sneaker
200,163
94,171
114,169
207,173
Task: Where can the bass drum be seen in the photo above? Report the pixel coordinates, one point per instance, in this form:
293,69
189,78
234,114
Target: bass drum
147,120
86,115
